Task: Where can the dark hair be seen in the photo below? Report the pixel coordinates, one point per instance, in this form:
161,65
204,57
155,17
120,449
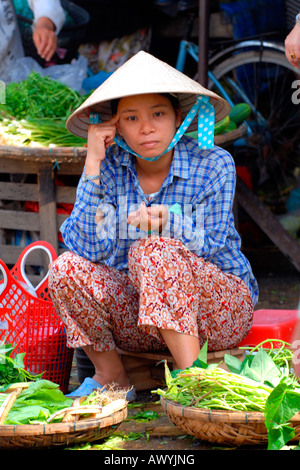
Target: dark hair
173,99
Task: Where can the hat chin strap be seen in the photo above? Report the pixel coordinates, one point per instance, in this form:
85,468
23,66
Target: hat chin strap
206,122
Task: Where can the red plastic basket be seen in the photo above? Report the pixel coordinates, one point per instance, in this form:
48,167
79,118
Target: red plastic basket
31,324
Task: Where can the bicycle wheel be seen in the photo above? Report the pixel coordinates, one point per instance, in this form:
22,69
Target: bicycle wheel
265,79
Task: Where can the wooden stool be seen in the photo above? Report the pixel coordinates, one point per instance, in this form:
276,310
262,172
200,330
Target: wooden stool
146,370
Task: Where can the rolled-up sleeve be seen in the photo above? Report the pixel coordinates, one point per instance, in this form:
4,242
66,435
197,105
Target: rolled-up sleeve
51,9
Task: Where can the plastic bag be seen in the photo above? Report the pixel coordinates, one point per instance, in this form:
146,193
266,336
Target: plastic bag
71,74
11,48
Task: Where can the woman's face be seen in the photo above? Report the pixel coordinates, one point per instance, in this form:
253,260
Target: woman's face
147,123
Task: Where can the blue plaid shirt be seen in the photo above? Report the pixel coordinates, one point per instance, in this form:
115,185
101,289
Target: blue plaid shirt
202,182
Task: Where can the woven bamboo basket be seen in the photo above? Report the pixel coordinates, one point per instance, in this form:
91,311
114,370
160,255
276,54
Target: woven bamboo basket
235,428
229,137
60,434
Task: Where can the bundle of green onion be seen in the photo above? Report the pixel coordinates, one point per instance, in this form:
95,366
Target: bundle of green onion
45,132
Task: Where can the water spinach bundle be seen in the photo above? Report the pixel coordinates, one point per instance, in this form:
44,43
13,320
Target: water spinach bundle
263,382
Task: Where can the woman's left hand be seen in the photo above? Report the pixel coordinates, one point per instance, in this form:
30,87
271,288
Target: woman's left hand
149,219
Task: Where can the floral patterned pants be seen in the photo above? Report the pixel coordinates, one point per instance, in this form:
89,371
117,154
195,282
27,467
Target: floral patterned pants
167,287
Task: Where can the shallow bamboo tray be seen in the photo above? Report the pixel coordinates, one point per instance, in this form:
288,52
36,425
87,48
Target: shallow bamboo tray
234,428
60,434
43,154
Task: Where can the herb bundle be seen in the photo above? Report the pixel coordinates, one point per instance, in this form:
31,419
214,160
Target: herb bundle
36,110
39,97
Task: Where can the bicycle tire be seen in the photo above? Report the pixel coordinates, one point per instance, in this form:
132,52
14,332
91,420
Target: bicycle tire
273,149
219,55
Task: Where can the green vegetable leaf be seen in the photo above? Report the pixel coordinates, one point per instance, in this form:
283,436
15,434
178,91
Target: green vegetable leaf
19,361
145,416
233,363
261,368
37,403
5,349
27,414
282,404
278,436
45,391
202,357
168,376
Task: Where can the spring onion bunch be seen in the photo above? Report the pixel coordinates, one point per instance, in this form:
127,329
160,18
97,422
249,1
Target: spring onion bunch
45,132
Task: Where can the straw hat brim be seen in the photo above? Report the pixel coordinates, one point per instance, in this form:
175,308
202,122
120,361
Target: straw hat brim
143,74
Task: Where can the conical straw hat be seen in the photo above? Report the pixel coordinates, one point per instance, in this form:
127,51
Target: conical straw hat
142,74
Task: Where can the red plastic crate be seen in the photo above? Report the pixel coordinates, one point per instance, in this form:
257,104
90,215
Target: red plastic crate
31,324
271,324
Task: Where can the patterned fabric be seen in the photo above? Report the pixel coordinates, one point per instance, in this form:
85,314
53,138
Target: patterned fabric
167,287
201,182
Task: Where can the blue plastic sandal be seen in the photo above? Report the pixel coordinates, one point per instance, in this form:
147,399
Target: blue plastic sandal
89,385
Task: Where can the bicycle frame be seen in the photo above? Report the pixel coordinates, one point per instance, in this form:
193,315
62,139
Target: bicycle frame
188,47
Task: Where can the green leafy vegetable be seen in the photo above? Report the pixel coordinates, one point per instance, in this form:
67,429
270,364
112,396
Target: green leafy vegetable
144,416
39,97
36,110
36,403
12,369
282,404
261,367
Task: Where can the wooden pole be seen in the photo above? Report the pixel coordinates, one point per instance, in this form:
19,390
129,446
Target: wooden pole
203,38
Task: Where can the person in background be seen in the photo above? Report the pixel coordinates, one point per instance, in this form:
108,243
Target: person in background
292,44
49,18
292,52
296,348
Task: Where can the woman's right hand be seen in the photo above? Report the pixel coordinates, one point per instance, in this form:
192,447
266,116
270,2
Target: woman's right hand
100,137
292,46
